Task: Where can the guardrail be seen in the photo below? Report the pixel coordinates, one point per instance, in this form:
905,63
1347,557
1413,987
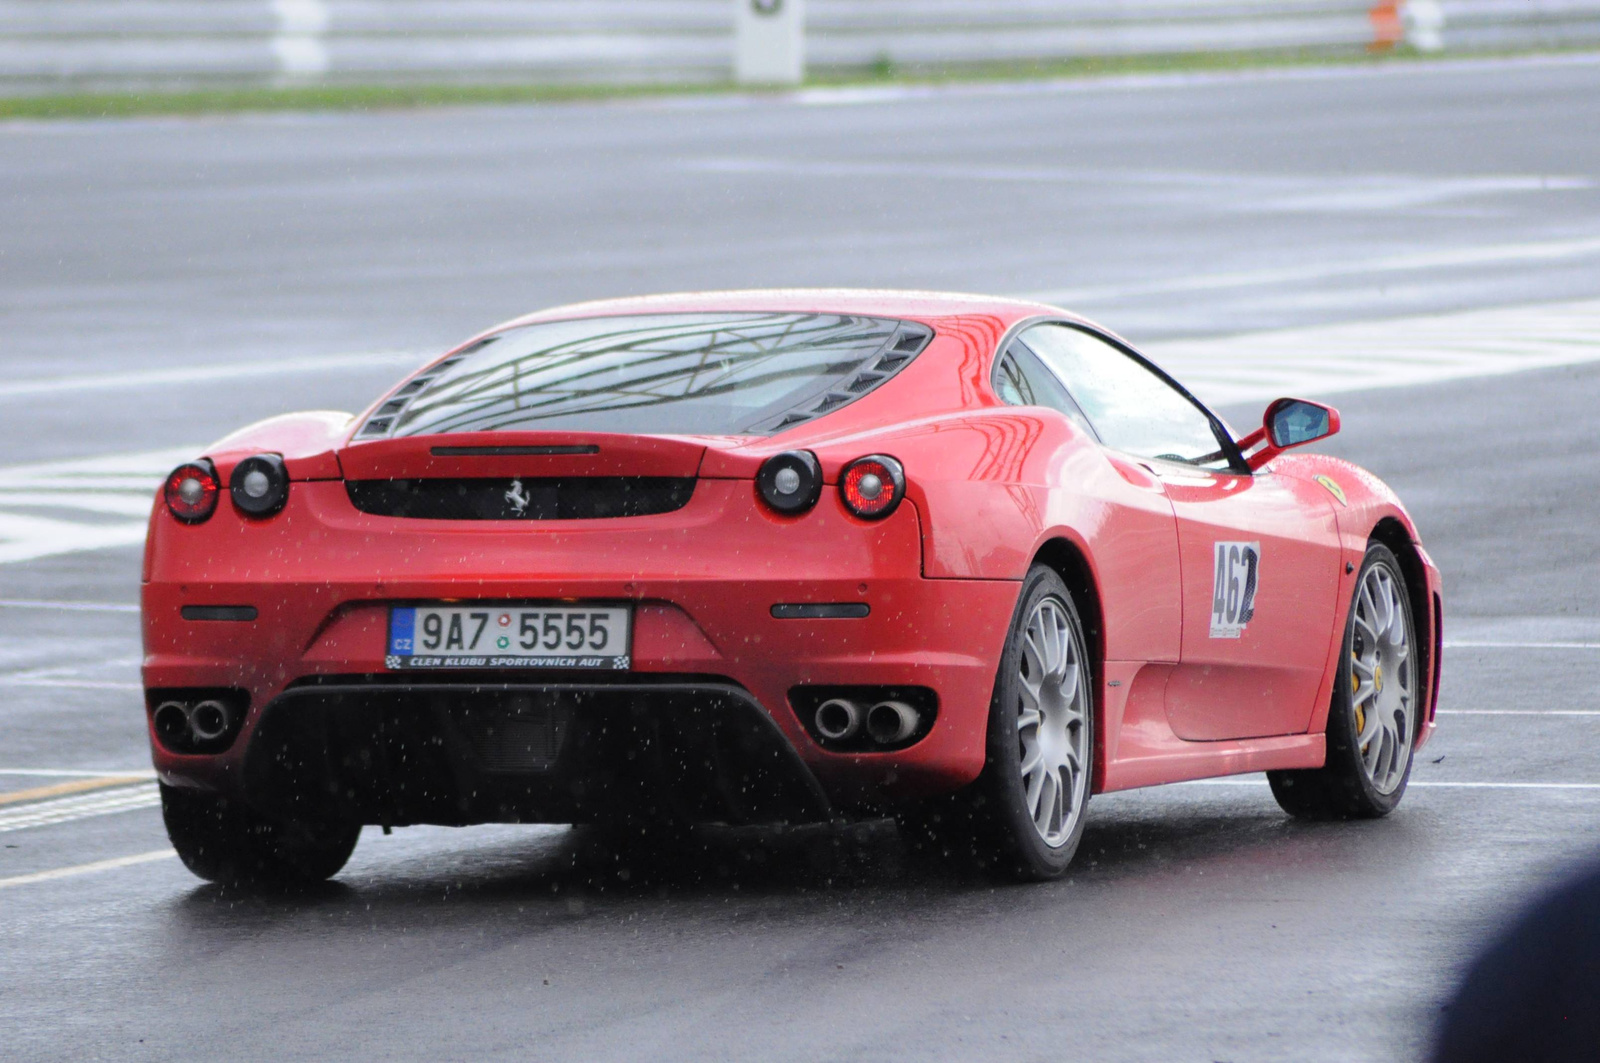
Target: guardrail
55,45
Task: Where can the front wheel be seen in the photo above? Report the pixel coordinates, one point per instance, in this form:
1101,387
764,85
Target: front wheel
223,841
1034,789
1372,723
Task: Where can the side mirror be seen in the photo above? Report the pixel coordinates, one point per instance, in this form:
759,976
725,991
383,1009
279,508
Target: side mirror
1288,423
1291,422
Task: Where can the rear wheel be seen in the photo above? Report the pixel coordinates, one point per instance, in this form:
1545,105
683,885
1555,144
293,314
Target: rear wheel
222,840
1372,723
1028,804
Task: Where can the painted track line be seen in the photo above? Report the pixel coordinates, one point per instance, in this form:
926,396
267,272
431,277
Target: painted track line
1518,712
120,485
1262,782
1454,258
87,869
79,806
74,773
150,378
69,677
1398,352
1484,644
1269,191
70,607
76,786
69,684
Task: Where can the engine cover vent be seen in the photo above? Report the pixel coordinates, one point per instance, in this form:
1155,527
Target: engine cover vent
529,498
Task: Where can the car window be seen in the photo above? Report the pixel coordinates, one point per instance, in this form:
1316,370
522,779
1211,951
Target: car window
1021,380
1131,407
719,373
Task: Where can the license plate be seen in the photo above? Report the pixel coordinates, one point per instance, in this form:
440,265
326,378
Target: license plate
529,635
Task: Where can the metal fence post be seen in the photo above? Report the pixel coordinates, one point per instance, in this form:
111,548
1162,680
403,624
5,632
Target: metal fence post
298,45
769,42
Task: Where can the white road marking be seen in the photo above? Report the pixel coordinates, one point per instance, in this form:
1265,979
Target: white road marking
1518,712
197,374
79,806
1469,644
118,484
75,773
64,677
70,607
34,794
1398,352
1455,258
27,538
98,664
73,684
87,869
72,675
122,505
1506,785
1423,783
1231,193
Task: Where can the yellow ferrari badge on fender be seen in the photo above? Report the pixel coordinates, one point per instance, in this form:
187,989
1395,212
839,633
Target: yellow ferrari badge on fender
1333,487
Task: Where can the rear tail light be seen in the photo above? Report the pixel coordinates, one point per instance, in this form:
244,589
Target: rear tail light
790,482
872,486
260,485
191,491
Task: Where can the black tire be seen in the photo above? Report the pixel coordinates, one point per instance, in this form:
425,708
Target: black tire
996,824
223,841
1343,788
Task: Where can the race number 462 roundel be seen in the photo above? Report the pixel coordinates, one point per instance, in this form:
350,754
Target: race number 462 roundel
1233,589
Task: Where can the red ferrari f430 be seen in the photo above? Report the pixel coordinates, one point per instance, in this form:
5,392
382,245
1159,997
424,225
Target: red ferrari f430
773,556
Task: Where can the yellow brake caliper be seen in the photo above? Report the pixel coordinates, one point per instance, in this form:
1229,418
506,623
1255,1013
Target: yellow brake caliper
1361,714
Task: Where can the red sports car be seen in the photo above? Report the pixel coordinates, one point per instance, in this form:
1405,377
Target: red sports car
773,556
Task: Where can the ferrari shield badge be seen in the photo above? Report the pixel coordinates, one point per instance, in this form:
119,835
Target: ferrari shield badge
1233,588
1333,487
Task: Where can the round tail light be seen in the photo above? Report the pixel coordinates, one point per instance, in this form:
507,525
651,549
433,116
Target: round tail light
790,482
260,485
191,491
872,486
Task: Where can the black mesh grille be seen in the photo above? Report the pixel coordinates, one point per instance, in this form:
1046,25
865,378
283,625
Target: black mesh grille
525,737
533,498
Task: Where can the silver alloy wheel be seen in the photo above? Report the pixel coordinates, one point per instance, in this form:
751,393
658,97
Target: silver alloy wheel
1382,679
1052,722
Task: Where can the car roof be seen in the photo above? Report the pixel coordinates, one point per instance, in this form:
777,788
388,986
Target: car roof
909,305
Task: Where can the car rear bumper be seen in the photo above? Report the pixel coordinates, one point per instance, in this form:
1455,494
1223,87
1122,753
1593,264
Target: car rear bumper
703,582
458,753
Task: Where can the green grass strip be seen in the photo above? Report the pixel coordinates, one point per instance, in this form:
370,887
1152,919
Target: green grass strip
336,97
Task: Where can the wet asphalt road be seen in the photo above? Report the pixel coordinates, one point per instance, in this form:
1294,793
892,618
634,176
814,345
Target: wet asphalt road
1198,924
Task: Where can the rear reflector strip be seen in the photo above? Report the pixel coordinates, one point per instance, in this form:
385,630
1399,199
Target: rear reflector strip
219,612
820,611
512,452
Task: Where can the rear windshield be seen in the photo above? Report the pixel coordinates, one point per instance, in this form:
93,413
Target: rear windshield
710,374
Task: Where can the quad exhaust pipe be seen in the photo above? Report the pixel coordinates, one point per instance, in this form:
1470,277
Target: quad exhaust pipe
838,719
209,720
887,723
172,722
182,726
